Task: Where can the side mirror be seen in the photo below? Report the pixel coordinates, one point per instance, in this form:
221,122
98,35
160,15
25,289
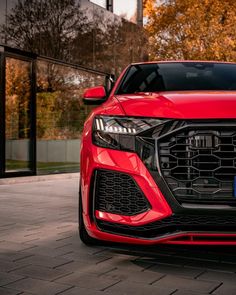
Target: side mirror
94,96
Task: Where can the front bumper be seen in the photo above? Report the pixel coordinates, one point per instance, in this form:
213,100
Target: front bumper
166,221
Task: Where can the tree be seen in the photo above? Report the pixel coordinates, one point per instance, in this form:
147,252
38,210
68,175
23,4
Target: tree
109,43
60,112
17,99
61,29
46,27
189,29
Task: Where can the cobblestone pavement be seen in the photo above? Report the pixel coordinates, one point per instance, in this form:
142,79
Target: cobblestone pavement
40,252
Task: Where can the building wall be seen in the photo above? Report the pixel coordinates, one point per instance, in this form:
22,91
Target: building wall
103,35
60,113
48,151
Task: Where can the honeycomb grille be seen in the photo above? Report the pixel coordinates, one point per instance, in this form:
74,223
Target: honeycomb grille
200,165
173,224
118,193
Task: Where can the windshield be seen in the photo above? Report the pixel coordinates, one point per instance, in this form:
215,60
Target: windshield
178,76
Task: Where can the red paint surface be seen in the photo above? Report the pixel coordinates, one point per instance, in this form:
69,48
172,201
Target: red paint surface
185,104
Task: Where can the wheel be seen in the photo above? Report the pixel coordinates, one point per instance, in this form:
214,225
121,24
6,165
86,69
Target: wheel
84,236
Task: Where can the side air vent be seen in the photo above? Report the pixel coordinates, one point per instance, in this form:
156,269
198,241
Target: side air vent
118,193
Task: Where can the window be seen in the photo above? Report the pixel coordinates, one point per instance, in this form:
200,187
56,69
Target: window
126,9
100,2
179,76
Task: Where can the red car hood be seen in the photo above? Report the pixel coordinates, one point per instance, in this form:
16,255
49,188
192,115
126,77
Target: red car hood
185,104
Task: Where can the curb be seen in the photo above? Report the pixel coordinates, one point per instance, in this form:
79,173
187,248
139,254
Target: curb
38,178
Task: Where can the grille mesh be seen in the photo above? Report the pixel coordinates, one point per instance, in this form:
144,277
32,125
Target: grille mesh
118,193
200,165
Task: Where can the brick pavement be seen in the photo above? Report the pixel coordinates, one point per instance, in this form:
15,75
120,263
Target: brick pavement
40,252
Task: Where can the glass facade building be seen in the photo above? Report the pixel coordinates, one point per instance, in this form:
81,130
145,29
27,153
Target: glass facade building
50,53
99,34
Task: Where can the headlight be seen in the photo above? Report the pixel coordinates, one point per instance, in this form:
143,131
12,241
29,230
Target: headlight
120,132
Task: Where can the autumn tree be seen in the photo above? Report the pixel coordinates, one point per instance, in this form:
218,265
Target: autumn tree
189,29
109,43
63,30
17,99
46,27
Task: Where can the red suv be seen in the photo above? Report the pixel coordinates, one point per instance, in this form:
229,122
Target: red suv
158,156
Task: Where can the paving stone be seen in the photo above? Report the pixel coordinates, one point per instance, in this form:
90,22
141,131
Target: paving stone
196,256
7,266
176,270
127,288
211,265
82,291
80,266
46,261
218,276
147,277
228,288
38,287
45,251
9,246
6,278
97,269
184,292
179,283
76,256
90,281
129,264
164,259
7,291
14,256
39,272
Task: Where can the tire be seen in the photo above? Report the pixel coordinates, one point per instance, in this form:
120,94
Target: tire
84,236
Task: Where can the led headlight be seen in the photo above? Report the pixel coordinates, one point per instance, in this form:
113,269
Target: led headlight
120,132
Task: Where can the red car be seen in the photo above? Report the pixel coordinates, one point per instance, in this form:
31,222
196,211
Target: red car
158,156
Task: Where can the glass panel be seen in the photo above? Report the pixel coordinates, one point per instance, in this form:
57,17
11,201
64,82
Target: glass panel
126,9
61,115
93,37
18,93
2,19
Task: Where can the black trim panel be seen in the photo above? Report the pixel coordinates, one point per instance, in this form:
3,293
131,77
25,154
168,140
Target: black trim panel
172,225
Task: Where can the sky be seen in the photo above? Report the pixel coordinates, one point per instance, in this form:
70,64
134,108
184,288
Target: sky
100,2
127,8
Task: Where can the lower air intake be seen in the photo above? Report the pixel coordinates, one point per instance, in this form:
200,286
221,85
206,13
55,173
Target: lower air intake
118,193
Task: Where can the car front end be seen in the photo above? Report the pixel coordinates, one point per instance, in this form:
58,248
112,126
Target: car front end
160,166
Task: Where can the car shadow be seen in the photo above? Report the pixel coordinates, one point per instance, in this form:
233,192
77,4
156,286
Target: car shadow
215,258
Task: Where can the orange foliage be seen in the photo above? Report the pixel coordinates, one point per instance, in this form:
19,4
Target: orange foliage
190,29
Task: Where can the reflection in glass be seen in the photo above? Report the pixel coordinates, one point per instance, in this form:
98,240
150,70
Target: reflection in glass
17,120
61,115
92,36
2,19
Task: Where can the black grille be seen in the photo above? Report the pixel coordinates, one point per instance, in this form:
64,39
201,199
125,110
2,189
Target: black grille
118,193
199,164
173,224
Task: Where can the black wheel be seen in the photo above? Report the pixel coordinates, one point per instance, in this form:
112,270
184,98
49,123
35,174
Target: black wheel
84,236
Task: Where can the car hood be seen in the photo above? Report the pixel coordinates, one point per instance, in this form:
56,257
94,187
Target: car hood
185,104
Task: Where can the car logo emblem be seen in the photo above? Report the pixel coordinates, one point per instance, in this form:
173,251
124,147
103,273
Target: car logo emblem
203,141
